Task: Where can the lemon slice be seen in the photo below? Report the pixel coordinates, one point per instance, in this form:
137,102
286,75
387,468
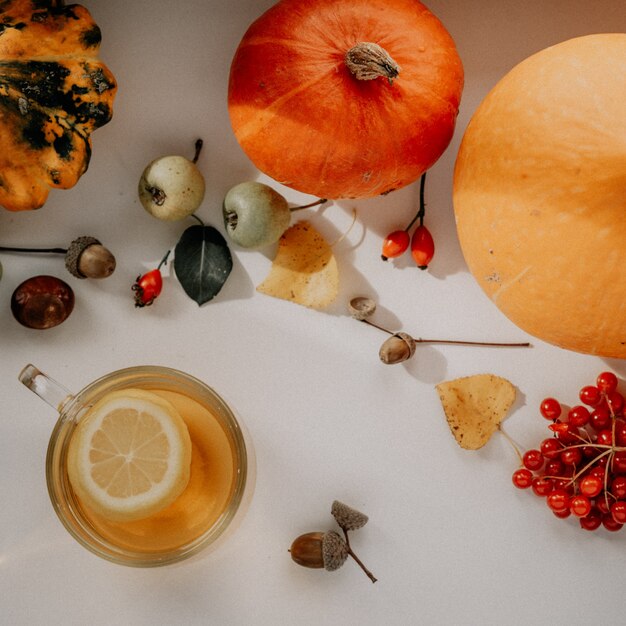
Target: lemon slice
130,455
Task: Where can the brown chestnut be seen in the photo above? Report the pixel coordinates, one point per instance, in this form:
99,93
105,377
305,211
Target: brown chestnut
42,302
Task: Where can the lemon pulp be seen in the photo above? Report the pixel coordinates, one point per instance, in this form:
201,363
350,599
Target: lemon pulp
130,455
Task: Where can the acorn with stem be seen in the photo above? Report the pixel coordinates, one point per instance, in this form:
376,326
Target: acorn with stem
400,346
85,257
329,550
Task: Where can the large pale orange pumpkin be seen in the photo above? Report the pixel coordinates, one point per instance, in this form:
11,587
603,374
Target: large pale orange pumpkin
540,195
345,98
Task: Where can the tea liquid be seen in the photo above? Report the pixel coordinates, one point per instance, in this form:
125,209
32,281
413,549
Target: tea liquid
205,499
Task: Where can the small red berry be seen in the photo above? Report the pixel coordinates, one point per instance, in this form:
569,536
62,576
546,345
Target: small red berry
590,395
600,418
395,244
593,521
533,460
607,382
618,511
551,448
610,524
605,437
558,500
147,288
618,487
554,468
618,463
578,415
580,506
522,478
542,486
614,402
571,456
591,485
550,408
422,247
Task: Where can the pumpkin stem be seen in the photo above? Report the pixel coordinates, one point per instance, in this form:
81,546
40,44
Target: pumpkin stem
367,61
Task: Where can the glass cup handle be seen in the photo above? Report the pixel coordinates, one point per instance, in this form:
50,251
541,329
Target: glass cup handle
49,390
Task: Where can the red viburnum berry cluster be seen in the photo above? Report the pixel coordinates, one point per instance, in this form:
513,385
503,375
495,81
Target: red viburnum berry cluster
581,469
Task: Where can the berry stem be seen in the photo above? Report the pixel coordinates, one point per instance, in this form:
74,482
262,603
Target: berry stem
422,210
195,217
42,250
163,260
513,444
524,344
356,558
308,206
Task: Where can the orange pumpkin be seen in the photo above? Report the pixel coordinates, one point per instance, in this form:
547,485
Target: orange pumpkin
345,98
53,93
540,195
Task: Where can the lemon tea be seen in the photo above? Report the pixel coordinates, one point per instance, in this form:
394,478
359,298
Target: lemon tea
221,472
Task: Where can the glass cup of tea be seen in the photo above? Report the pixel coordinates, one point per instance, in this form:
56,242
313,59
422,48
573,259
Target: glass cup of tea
219,480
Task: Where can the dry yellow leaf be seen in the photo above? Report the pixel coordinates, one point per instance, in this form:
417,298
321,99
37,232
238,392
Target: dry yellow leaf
304,270
475,406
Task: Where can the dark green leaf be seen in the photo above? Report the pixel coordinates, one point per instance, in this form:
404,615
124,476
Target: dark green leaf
202,262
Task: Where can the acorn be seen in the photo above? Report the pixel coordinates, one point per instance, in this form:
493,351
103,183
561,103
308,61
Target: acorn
329,550
319,550
397,348
42,302
85,257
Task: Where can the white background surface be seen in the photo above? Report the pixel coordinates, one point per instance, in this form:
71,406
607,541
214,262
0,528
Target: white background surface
449,538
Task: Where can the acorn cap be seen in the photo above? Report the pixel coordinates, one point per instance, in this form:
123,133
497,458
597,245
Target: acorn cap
99,264
361,307
347,517
334,551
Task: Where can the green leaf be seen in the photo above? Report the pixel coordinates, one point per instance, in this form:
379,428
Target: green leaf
202,262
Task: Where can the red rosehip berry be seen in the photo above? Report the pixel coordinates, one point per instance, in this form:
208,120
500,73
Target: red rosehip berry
422,247
147,288
395,244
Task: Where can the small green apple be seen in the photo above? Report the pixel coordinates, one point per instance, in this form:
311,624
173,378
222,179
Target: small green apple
255,215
